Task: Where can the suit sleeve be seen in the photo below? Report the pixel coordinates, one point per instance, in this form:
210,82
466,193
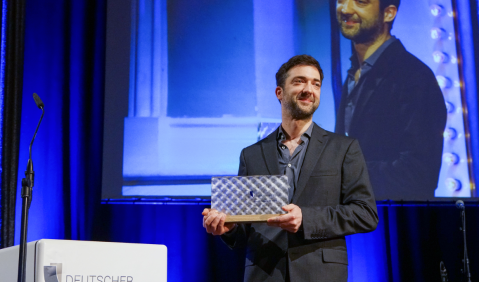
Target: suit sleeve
357,210
237,237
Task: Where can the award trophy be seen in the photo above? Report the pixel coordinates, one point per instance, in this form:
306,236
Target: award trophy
249,198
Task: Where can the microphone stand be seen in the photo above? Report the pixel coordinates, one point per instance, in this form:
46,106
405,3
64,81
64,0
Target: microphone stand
460,205
467,271
27,187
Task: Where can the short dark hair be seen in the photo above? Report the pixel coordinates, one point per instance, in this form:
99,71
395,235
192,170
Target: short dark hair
299,60
384,3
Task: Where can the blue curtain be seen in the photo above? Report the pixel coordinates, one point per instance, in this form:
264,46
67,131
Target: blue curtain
64,50
64,64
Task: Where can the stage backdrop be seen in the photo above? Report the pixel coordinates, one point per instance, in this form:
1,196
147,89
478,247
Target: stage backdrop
64,64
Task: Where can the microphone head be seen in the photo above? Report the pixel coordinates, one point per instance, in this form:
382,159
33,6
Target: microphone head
38,101
460,205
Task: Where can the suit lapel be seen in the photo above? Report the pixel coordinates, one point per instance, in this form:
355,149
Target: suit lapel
367,92
378,73
270,153
315,149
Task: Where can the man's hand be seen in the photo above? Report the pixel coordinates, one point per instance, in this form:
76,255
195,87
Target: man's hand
214,222
290,221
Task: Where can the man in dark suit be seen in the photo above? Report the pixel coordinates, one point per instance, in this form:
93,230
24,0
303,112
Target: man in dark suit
330,195
391,103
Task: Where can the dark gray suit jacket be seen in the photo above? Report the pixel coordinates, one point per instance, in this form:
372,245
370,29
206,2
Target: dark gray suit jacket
336,199
399,119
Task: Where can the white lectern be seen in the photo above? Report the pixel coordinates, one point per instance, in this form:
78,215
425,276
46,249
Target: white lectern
83,261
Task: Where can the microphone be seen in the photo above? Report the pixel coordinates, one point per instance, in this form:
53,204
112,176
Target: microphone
29,172
460,205
38,101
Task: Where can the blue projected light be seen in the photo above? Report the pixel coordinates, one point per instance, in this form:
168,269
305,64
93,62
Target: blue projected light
202,85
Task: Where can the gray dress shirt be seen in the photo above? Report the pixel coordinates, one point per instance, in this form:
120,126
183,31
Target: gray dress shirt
290,165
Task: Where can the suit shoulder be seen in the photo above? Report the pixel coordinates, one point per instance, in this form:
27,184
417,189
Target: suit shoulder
253,146
408,63
339,144
415,63
336,137
333,137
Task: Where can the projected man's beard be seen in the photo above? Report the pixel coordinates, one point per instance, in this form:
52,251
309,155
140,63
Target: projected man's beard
367,30
297,112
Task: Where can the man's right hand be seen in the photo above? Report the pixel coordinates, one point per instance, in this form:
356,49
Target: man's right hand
214,222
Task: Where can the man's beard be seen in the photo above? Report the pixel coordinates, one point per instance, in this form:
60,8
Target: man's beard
368,30
296,111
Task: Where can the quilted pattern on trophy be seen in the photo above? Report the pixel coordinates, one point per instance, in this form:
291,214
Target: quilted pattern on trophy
249,195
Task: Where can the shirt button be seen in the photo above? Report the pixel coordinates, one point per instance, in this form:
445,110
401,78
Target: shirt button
283,147
289,165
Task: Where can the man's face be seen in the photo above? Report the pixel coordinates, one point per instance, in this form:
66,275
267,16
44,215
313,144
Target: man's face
302,89
360,20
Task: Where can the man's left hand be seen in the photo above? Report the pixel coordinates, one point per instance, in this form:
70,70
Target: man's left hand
290,221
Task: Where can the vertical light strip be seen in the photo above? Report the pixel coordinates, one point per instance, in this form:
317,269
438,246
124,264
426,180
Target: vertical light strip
467,73
448,65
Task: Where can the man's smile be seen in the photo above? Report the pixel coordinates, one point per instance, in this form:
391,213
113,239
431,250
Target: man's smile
305,100
349,20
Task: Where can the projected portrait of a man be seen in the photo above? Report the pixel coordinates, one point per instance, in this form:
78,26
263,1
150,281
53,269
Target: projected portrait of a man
391,103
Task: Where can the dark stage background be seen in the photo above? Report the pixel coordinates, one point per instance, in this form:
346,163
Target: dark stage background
64,64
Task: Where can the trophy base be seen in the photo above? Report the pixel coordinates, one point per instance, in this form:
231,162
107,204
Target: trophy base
249,218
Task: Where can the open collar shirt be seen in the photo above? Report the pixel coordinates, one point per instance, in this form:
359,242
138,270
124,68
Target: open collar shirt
290,165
